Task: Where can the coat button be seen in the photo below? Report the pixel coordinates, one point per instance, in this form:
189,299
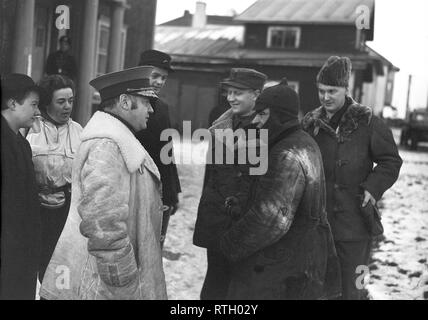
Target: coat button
259,269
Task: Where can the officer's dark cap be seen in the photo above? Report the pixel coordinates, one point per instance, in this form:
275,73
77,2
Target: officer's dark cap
157,59
134,81
243,78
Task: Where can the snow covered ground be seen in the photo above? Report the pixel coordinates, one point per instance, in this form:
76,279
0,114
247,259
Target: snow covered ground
399,265
399,269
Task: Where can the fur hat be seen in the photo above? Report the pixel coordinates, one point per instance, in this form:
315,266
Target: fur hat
336,72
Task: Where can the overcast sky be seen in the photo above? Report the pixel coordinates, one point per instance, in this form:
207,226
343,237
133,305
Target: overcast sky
401,36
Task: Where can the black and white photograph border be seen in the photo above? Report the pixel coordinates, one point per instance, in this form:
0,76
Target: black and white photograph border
388,48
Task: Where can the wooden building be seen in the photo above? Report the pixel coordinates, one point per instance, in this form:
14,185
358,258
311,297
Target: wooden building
106,36
282,38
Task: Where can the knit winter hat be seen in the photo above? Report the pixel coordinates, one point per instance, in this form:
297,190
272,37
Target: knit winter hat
336,72
282,100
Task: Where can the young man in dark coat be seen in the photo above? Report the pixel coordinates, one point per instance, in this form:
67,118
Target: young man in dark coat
20,219
351,140
159,121
224,180
282,247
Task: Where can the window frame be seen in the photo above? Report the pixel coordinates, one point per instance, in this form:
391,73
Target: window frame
283,28
102,23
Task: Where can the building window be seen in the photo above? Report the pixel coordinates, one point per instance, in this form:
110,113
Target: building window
103,39
123,36
283,37
102,47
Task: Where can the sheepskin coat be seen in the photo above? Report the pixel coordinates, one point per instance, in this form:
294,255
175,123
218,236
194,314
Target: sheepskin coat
110,245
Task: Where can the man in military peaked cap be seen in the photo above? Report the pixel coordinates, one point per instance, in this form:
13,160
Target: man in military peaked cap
159,121
110,247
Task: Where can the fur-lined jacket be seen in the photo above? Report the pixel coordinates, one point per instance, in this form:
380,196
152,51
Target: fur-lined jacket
361,139
223,180
110,245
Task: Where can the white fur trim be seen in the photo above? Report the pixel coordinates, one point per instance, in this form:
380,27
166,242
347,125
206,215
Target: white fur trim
102,125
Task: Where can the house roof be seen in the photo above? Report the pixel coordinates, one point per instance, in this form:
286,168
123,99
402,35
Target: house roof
211,40
304,11
378,57
223,44
217,44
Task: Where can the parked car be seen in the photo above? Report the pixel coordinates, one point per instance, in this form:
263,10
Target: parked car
415,129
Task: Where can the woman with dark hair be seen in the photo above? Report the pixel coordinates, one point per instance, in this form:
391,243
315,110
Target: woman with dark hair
53,150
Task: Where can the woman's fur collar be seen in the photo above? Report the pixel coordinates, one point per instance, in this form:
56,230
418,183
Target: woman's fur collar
102,125
355,115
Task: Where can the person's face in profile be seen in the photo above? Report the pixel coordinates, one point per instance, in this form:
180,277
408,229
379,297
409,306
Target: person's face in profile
27,110
261,118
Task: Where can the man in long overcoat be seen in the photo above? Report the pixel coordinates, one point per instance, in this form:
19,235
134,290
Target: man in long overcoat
159,121
351,140
110,246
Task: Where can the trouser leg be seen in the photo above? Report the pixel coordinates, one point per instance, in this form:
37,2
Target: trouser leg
351,255
217,279
52,223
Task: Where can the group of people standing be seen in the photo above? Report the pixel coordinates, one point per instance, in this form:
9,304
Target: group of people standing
85,210
60,174
302,229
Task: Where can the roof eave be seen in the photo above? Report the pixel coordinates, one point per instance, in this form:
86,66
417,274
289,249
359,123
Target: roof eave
300,22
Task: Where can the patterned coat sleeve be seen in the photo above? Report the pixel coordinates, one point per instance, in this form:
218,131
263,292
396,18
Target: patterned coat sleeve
277,196
104,210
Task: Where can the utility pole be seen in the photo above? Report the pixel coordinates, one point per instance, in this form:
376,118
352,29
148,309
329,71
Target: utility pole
427,100
408,97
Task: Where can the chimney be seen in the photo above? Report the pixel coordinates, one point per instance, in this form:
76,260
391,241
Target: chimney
200,17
